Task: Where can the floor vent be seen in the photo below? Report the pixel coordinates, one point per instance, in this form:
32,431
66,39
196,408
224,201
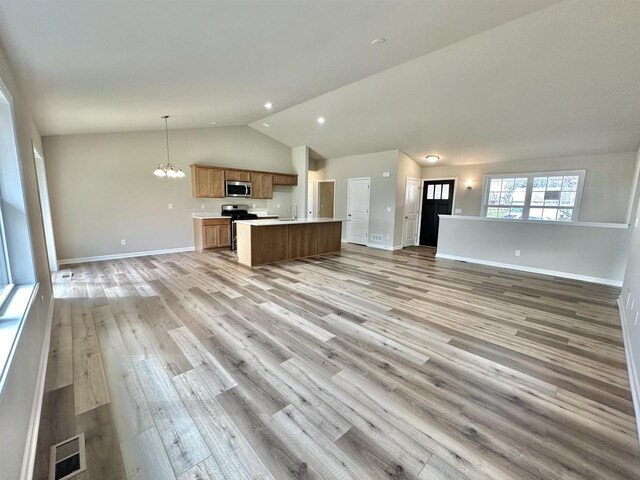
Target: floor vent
68,458
376,237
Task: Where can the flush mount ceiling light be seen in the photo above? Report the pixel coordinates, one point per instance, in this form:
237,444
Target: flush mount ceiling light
321,120
265,124
378,41
268,105
213,123
432,158
168,170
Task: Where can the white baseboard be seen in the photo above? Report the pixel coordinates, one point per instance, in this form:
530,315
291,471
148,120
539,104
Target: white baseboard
375,245
116,256
541,271
30,450
634,382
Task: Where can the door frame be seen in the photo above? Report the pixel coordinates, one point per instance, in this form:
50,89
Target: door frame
368,209
317,197
453,204
418,211
45,208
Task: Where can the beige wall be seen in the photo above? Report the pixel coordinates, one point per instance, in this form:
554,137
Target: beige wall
103,190
607,187
406,168
16,398
383,189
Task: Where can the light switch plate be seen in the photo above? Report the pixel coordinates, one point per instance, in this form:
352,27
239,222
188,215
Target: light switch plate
458,211
388,209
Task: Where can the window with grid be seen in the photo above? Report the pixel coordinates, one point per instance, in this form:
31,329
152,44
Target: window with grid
548,196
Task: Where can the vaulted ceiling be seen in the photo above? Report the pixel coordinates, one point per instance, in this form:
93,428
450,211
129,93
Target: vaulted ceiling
471,81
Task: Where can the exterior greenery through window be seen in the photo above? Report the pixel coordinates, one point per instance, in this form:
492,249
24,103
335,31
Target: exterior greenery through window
549,196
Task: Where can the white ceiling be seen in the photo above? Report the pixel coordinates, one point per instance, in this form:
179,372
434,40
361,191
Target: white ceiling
103,66
561,81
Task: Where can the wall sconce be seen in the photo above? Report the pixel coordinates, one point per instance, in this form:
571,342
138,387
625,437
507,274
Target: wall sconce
469,184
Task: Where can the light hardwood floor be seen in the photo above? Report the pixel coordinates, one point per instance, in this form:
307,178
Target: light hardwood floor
368,364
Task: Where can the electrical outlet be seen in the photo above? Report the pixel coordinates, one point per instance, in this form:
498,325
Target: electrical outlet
517,253
388,237
458,211
170,206
123,242
388,209
278,205
202,205
254,205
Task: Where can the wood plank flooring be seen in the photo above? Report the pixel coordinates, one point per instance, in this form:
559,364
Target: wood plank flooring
364,365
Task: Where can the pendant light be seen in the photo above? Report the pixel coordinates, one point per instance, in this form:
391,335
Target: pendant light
168,170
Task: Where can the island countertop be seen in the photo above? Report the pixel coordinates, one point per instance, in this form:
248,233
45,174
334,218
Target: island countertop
288,221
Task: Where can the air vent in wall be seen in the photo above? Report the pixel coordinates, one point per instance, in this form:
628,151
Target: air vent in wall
67,458
376,237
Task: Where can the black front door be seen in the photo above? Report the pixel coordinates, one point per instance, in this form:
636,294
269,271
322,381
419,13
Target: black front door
437,199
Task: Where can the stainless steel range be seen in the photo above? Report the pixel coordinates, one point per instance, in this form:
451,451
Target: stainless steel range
237,212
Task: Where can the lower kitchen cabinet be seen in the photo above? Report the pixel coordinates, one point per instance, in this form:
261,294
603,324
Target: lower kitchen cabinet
212,233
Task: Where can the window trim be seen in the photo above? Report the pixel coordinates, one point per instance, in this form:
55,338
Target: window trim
582,174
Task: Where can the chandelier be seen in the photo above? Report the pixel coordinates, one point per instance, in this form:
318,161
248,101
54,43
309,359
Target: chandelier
168,170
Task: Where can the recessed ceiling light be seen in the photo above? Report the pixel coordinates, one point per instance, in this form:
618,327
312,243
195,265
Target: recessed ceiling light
321,120
378,41
213,123
268,105
265,124
432,158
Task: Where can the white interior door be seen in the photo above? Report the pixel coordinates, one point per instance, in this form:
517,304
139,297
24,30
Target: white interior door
411,209
358,210
310,200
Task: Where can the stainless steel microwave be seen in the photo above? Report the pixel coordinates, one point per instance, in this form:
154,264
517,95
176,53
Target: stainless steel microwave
237,189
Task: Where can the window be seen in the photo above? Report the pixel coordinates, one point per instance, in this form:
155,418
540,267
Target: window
549,196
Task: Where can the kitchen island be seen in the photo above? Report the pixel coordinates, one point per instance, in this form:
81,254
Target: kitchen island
269,241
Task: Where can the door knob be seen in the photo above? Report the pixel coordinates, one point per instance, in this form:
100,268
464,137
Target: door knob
348,215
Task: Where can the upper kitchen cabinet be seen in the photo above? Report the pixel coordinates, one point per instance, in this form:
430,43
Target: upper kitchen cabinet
237,175
285,179
261,185
207,182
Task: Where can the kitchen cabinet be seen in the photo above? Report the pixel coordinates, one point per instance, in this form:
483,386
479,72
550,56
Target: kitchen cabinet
237,175
261,185
284,179
207,182
212,233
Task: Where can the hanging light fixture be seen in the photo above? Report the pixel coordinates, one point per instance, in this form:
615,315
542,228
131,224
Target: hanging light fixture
168,170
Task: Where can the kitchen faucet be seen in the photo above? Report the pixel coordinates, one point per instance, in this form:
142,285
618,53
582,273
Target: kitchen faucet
295,210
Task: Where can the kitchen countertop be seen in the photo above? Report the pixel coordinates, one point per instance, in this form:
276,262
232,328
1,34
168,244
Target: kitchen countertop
265,222
208,216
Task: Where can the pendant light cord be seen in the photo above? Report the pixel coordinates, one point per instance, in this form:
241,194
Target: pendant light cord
166,131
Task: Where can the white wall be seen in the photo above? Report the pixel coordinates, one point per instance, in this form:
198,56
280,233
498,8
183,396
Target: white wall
103,190
383,189
607,187
20,387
